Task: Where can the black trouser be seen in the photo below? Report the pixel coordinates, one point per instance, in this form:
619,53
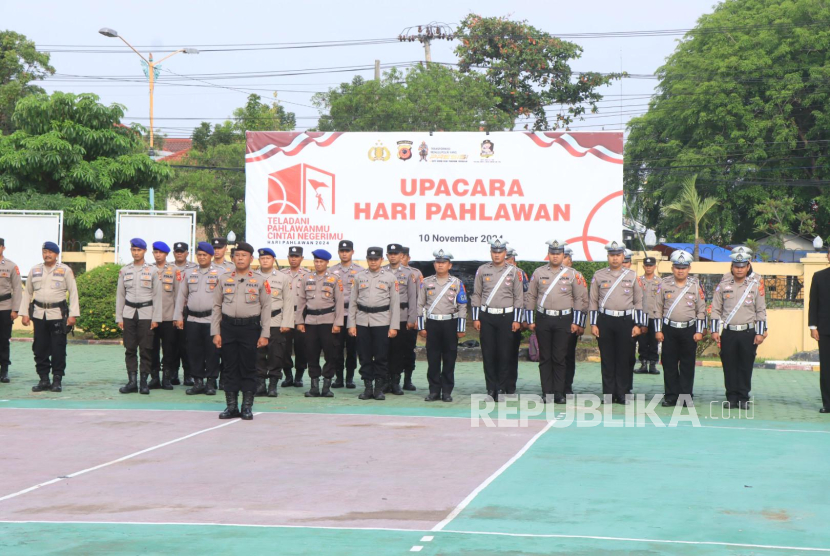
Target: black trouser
442,351
399,348
737,353
615,347
49,347
182,353
679,351
648,345
204,359
165,348
270,359
514,361
5,334
496,344
570,364
295,344
138,339
346,355
409,359
239,354
553,334
824,368
318,337
373,351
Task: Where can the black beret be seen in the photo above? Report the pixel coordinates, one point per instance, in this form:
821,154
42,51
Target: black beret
246,247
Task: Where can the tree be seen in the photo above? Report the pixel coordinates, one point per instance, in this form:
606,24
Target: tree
258,116
20,64
431,98
529,68
743,103
777,218
692,209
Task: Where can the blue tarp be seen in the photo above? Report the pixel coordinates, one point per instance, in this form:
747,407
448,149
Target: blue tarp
708,251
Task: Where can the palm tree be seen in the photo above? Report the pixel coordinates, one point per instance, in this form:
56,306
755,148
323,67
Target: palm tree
692,208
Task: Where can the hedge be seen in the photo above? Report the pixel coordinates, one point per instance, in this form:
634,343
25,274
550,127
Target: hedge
96,297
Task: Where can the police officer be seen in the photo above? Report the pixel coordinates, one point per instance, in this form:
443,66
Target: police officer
164,336
679,319
517,336
650,281
241,323
498,304
409,359
345,271
570,357
295,343
181,252
220,248
739,325
627,254
404,341
194,304
616,311
271,359
44,302
374,318
10,295
442,319
138,311
557,307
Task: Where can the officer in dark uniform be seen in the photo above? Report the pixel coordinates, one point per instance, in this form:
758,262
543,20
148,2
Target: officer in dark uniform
295,342
409,359
517,336
164,336
271,359
220,248
11,291
346,271
570,357
404,341
647,342
181,252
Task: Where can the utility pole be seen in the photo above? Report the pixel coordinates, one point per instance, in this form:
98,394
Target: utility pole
377,70
425,34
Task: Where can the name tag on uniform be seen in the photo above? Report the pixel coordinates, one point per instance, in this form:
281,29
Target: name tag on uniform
229,289
128,277
5,274
195,280
381,286
59,272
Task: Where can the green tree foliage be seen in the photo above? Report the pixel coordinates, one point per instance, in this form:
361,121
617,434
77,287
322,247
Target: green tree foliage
20,65
70,153
254,116
692,209
777,218
743,103
96,297
530,69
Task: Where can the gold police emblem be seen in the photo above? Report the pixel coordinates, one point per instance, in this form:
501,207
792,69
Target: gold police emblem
379,153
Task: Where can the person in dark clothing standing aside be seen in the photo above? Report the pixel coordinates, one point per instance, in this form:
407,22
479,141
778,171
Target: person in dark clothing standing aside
819,323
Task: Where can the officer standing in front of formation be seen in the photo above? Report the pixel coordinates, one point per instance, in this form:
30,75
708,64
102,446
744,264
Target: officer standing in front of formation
320,317
739,325
295,343
181,251
347,352
442,320
138,311
679,319
271,359
650,281
194,307
616,311
404,341
570,357
498,304
409,359
374,318
517,336
10,295
44,302
557,307
241,323
164,336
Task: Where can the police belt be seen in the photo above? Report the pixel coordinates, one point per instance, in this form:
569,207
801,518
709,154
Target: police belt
240,322
405,305
554,313
346,305
443,317
276,312
138,305
675,324
58,305
318,312
739,327
5,296
611,313
497,310
366,309
199,314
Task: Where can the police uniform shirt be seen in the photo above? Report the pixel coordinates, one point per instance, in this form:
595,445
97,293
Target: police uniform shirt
509,294
375,289
242,296
296,279
692,306
407,291
10,285
197,292
169,277
138,284
452,302
650,289
570,292
181,271
227,265
345,274
282,299
753,309
321,292
626,296
50,285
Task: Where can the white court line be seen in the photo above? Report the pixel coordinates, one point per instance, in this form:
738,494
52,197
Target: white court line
464,503
204,524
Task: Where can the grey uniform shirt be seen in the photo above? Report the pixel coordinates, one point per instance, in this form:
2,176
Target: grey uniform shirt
375,289
282,299
407,291
509,294
50,285
753,309
690,307
227,265
242,296
180,274
650,288
168,276
138,284
452,302
196,292
569,292
626,296
321,292
296,279
10,284
346,273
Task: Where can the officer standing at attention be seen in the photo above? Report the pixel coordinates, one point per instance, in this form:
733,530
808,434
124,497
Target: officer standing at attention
739,323
271,359
616,311
517,336
647,342
320,318
679,319
10,295
442,319
220,247
570,357
627,258
138,311
296,344
557,307
241,323
164,336
195,305
374,318
44,302
181,251
345,271
409,360
404,341
498,304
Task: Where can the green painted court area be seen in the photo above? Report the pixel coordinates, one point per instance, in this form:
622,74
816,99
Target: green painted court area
91,471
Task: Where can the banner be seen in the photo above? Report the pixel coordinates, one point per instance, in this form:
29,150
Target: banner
455,191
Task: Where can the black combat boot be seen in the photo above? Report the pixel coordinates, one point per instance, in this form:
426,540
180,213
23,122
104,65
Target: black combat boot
131,387
407,381
165,381
380,384
155,383
43,383
188,380
272,387
350,379
432,396
289,379
327,393
174,380
260,387
4,374
314,392
652,368
142,387
298,378
232,411
338,383
368,393
247,406
56,383
210,387
642,369
396,386
197,388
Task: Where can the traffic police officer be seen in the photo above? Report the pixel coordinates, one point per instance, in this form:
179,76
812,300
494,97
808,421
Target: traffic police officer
295,343
409,359
194,304
517,335
557,307
442,319
164,336
570,357
404,341
345,271
181,251
44,302
739,325
138,311
498,304
271,359
616,311
320,318
647,342
241,323
10,295
679,321
374,318
627,254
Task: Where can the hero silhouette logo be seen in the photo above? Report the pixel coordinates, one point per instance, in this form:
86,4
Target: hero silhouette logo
301,189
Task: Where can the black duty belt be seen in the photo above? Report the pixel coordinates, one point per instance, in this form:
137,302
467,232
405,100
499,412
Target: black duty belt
405,305
58,305
199,314
5,296
138,305
366,309
276,312
345,305
318,312
240,322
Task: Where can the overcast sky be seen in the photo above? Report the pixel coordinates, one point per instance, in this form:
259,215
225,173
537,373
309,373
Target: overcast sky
157,26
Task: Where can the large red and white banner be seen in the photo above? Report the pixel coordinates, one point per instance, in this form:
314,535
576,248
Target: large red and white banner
456,191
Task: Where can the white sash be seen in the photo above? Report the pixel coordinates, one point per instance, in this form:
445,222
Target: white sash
552,285
440,295
498,285
613,287
676,301
738,306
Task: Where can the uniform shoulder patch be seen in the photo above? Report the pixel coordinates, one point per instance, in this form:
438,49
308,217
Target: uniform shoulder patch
17,270
267,287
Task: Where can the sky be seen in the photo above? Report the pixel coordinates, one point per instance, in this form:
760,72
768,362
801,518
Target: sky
207,86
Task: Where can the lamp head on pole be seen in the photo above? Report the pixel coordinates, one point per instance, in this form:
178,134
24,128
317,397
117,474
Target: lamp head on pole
818,243
231,237
650,239
107,32
99,235
190,50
